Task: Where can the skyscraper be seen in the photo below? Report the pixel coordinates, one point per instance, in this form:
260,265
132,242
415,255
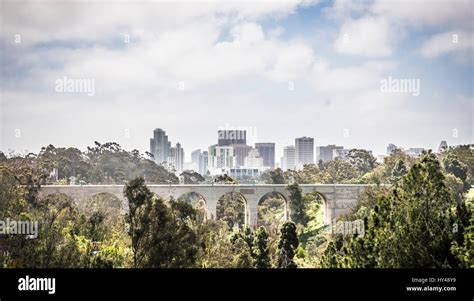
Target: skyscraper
220,158
176,159
195,158
229,137
325,153
240,152
267,152
304,148
160,146
199,161
288,161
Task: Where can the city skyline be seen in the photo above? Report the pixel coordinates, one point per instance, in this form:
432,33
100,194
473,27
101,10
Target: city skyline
361,75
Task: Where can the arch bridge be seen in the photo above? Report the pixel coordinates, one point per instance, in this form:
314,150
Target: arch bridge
338,199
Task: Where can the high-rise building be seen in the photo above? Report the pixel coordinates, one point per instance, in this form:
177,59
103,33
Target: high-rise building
253,159
443,146
176,159
240,152
229,137
199,161
325,153
288,161
391,148
195,159
220,158
267,152
203,163
304,148
160,146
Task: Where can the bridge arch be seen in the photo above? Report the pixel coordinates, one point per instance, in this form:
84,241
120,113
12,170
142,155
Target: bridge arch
272,196
197,200
233,201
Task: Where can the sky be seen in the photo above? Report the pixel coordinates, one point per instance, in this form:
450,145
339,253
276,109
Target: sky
278,69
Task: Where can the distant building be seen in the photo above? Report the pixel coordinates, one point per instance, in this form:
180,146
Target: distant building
160,146
195,158
244,172
304,148
414,151
220,158
176,159
203,163
199,161
240,152
253,159
288,161
443,146
229,137
267,152
391,148
325,153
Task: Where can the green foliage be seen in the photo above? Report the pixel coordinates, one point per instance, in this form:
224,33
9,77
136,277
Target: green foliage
231,209
362,160
161,236
287,246
192,177
398,171
297,205
410,227
274,176
261,250
225,179
457,168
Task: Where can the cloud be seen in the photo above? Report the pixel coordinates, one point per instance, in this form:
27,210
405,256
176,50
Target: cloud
368,36
425,12
457,42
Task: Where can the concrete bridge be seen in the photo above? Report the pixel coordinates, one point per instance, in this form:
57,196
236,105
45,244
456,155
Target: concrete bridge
338,198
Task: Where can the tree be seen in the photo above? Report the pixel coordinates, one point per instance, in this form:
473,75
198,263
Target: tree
412,226
297,205
339,171
191,177
362,160
275,176
287,245
457,168
161,236
261,251
398,171
225,179
140,201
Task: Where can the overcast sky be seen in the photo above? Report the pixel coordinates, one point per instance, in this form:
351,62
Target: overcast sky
280,69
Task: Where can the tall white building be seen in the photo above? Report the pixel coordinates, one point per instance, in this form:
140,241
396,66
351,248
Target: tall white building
220,158
288,161
304,148
176,159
